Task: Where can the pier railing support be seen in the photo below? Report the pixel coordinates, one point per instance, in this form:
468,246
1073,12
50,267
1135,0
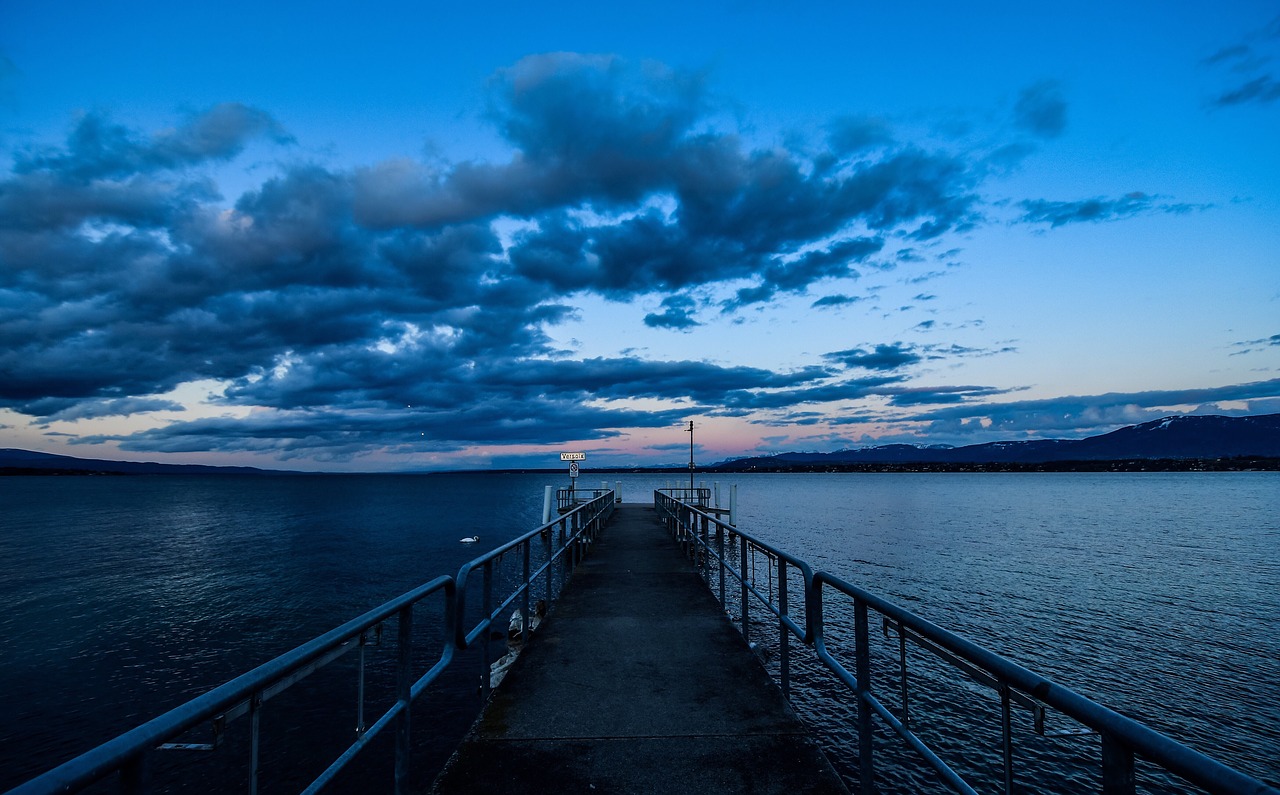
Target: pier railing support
135,776
404,685
862,672
1117,767
784,634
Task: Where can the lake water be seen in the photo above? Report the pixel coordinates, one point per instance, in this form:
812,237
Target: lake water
1157,594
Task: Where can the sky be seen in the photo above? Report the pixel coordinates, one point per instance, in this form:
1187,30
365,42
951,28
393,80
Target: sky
329,236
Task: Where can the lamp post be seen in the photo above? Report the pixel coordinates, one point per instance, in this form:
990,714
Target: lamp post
690,430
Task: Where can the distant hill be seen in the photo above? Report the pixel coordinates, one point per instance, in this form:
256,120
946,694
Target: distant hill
30,462
1175,438
1170,440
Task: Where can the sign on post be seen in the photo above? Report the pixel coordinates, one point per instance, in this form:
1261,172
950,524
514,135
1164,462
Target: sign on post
573,470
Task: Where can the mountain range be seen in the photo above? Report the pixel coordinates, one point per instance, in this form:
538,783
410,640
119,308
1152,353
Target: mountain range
1177,438
24,461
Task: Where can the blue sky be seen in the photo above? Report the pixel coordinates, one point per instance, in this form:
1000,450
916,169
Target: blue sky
322,237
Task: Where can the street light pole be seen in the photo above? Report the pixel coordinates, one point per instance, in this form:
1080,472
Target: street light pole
690,430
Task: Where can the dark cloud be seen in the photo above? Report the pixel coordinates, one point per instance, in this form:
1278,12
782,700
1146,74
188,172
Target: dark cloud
1060,213
882,357
599,109
80,410
1041,110
850,389
340,410
851,135
345,434
98,148
897,355
1261,89
1234,53
926,395
677,313
797,274
1249,64
829,301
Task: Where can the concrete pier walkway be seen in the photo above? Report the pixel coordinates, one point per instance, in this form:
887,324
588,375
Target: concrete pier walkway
637,683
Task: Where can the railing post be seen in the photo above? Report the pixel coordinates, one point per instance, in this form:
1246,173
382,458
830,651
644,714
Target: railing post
720,542
862,671
547,550
404,682
255,732
702,550
1117,767
486,652
902,676
528,587
135,775
1006,737
742,577
784,641
565,555
580,529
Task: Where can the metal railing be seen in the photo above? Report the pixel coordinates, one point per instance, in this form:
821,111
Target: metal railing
721,551
566,499
560,545
576,531
699,496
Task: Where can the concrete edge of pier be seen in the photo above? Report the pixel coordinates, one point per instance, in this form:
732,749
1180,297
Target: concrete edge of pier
637,683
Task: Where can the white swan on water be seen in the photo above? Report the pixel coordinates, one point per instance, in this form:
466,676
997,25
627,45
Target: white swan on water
471,540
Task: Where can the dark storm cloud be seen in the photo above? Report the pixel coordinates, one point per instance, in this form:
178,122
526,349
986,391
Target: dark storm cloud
80,410
851,389
1250,67
829,301
443,381
1041,110
1261,89
851,135
1060,213
796,275
344,434
594,109
897,355
324,297
507,402
44,206
99,148
883,357
926,395
1231,55
677,313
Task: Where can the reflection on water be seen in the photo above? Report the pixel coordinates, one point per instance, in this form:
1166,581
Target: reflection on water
1153,593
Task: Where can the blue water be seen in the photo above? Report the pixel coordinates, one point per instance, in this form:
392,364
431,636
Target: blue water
1157,594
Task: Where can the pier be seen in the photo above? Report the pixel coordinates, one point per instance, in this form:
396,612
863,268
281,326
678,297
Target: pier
638,683
645,677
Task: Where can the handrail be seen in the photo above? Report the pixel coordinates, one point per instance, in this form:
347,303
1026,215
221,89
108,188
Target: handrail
577,528
1122,737
130,752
